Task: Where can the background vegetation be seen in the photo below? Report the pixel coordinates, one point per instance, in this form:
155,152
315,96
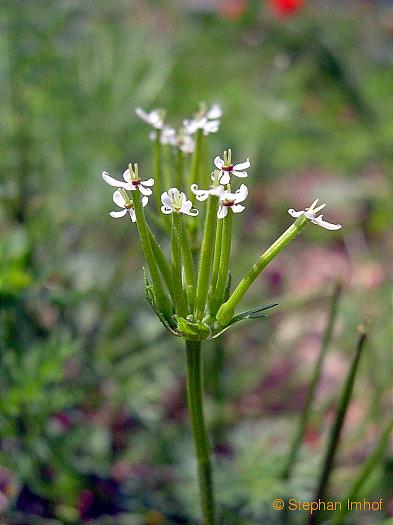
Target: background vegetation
92,415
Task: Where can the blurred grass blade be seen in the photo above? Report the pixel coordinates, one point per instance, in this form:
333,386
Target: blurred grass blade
335,433
370,464
291,460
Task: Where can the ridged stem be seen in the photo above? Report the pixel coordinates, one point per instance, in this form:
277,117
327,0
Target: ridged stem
176,242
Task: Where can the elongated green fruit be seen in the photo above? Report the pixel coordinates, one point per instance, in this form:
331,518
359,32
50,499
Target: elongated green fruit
188,268
162,263
206,257
158,290
176,241
225,254
226,311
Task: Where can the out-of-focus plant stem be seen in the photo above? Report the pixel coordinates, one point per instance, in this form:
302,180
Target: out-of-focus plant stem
202,448
335,433
369,465
314,383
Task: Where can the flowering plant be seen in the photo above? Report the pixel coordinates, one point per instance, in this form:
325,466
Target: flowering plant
191,291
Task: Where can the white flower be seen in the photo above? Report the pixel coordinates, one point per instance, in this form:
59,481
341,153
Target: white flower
155,117
175,201
167,136
122,200
132,181
206,119
185,143
226,168
311,212
202,195
232,200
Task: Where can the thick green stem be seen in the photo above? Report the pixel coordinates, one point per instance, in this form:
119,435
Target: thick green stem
176,240
226,311
226,243
206,257
313,384
195,407
159,294
335,433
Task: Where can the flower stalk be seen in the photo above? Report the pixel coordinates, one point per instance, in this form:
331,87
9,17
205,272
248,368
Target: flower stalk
202,448
226,311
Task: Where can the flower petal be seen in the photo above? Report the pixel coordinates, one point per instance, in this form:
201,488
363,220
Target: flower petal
148,182
119,199
132,214
201,195
166,200
113,182
166,210
294,213
144,191
118,214
145,200
324,224
237,208
242,166
225,178
241,194
127,175
218,162
215,112
222,211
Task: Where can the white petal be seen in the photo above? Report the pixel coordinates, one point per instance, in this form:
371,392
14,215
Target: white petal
218,162
118,199
211,126
201,195
127,175
186,207
241,194
148,182
237,208
145,200
242,166
193,212
166,210
142,114
222,211
166,200
214,112
132,214
225,178
144,191
294,213
309,214
327,225
113,182
117,214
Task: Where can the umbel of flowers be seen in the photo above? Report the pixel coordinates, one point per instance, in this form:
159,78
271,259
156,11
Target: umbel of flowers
190,291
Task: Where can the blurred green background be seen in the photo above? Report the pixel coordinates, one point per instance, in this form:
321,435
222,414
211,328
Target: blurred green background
93,424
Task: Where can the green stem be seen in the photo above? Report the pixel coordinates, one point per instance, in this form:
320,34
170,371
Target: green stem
195,406
226,311
195,171
335,434
226,243
159,294
206,256
179,178
157,170
216,258
314,382
365,472
188,269
176,240
162,263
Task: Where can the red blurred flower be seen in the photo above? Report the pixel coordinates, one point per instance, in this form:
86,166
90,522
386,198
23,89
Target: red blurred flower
284,8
